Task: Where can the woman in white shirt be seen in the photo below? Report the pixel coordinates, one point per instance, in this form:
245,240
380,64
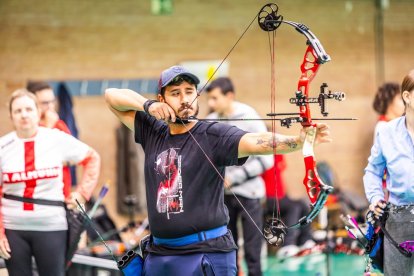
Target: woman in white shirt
394,149
31,160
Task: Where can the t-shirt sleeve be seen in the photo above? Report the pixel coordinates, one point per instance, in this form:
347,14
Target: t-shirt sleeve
73,150
226,144
144,126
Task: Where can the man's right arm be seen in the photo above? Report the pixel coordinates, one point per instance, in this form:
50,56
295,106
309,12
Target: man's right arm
124,103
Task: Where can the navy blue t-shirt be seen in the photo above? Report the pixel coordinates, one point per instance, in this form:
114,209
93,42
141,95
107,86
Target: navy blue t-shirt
184,192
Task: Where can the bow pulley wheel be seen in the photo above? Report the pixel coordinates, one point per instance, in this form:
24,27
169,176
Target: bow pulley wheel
275,231
268,18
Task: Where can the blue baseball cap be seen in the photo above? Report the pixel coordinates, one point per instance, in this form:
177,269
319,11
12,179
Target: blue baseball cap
169,74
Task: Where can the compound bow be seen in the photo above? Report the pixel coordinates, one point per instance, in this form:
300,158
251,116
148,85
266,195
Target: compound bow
269,21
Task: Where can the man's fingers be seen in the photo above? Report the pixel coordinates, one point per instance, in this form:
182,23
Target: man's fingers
163,111
166,112
172,114
325,140
157,115
323,133
322,126
156,111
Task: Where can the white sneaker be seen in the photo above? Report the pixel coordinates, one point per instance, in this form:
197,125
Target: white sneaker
287,251
308,245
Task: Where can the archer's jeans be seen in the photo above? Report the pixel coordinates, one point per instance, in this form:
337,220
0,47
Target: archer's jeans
400,225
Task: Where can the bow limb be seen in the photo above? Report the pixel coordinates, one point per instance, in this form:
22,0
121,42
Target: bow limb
311,180
317,191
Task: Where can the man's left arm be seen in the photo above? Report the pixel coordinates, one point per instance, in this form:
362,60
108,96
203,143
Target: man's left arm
267,142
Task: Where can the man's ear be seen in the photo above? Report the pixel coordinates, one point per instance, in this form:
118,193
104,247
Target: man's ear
230,95
160,98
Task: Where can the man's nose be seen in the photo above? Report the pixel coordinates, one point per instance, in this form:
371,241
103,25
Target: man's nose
24,113
186,99
49,106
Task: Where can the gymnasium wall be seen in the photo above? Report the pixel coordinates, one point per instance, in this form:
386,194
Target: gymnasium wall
78,39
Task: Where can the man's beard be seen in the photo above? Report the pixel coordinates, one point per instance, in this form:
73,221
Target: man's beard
185,118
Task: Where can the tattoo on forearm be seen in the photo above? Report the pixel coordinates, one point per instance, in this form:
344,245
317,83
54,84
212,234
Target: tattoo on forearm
291,143
276,142
266,143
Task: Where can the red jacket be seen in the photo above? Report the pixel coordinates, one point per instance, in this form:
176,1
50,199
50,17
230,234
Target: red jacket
275,186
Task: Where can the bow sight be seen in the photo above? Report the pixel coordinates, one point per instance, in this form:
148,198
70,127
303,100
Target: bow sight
301,100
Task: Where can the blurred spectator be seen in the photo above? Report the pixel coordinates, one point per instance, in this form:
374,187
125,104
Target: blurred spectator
245,180
389,105
49,118
393,149
33,218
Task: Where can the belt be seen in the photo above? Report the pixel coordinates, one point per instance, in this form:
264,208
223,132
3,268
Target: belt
399,208
193,238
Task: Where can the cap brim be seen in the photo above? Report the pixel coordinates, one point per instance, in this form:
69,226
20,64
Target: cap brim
192,76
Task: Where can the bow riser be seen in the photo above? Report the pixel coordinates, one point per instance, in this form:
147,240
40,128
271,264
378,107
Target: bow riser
309,68
312,182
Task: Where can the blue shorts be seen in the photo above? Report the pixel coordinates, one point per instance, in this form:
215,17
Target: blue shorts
198,264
